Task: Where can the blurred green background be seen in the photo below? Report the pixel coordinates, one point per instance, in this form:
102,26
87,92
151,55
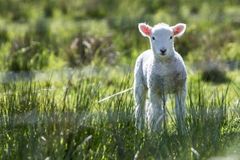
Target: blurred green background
50,34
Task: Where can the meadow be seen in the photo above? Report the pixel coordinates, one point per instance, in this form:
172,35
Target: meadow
59,58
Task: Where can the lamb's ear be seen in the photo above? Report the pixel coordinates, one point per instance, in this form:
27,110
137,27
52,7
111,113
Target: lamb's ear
145,29
178,29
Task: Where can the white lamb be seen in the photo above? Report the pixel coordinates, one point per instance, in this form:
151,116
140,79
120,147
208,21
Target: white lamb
159,71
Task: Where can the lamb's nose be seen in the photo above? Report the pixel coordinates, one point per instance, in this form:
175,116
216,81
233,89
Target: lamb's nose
163,50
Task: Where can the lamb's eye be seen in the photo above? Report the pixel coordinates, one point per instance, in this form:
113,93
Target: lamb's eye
153,38
170,37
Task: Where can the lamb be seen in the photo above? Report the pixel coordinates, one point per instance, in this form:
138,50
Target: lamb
158,72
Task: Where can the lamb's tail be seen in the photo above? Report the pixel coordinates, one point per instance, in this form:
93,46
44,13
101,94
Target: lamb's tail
116,94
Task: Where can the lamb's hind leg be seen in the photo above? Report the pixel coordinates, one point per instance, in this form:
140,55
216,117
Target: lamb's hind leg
140,97
155,113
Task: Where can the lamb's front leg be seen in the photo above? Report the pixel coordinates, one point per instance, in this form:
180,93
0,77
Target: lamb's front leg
155,113
180,106
139,96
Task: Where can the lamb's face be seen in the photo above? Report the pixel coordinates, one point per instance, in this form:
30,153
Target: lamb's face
161,40
161,37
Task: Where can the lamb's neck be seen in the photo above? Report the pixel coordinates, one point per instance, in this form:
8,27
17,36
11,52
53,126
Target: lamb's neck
163,60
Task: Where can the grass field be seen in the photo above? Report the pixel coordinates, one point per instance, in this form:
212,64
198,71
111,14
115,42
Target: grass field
59,120
59,58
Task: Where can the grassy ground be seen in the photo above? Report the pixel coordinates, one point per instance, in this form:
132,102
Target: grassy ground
65,121
59,58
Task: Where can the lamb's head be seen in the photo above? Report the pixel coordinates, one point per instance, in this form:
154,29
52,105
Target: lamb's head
162,37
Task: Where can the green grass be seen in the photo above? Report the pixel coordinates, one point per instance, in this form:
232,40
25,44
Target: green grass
37,122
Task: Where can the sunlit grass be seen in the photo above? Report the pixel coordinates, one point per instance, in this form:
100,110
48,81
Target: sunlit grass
68,122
